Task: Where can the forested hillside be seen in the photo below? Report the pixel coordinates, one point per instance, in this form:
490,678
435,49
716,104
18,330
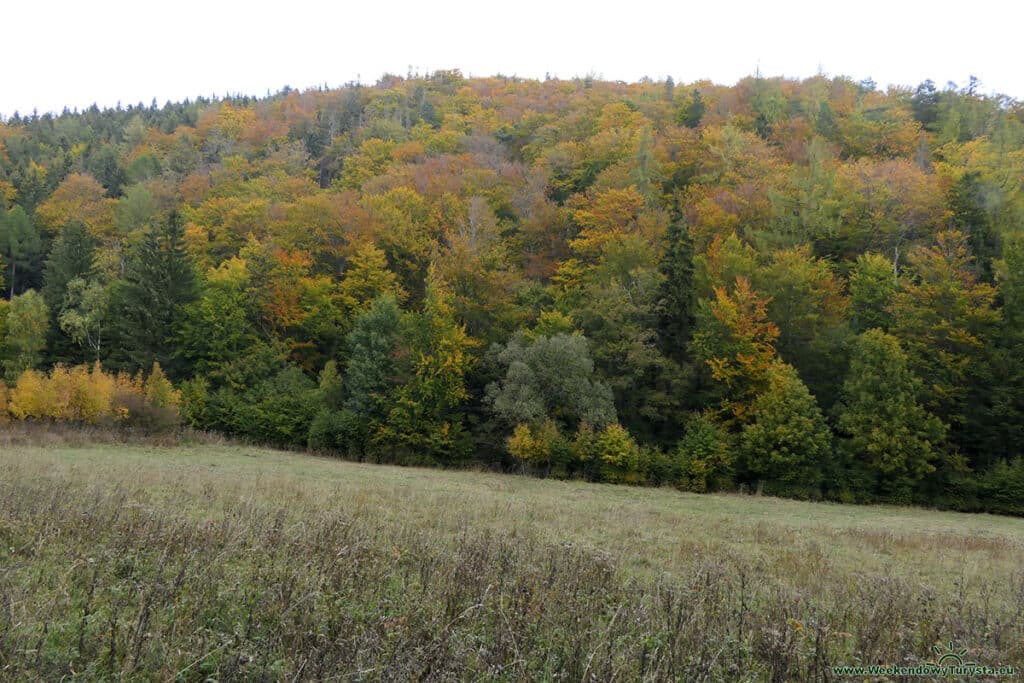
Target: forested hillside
811,288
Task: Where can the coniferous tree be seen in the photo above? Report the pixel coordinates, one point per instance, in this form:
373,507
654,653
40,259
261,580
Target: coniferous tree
872,287
149,301
424,423
71,257
889,440
967,204
945,319
371,371
692,112
20,246
1004,433
786,443
676,301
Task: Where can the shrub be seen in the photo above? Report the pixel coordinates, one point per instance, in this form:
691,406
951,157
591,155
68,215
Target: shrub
31,397
195,403
91,396
1001,488
584,450
160,393
701,460
660,466
543,447
328,431
619,456
278,410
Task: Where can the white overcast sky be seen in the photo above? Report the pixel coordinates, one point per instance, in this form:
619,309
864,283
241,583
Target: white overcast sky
74,53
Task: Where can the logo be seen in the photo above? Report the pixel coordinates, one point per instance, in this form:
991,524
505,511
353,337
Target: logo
949,662
949,657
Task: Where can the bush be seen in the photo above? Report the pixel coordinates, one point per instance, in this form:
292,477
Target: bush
91,396
660,466
332,430
1001,488
278,410
619,456
543,447
195,403
30,396
140,414
701,460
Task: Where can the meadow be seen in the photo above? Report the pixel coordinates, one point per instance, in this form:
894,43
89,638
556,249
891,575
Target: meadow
226,562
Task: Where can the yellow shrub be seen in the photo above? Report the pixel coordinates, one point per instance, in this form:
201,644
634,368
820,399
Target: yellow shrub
160,393
521,445
542,445
81,394
128,392
32,396
94,393
620,455
62,393
3,402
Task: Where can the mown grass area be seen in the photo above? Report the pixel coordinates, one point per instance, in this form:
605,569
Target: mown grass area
237,563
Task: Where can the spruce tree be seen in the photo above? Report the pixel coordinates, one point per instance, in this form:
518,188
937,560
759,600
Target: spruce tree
786,444
148,302
20,246
675,303
70,258
890,441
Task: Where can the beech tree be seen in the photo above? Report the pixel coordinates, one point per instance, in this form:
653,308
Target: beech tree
25,326
736,341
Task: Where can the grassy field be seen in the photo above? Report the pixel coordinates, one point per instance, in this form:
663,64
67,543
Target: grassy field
236,563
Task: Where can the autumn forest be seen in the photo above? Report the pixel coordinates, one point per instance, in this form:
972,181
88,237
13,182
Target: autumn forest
812,289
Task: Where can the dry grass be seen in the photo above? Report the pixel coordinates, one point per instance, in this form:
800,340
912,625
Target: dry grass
205,560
